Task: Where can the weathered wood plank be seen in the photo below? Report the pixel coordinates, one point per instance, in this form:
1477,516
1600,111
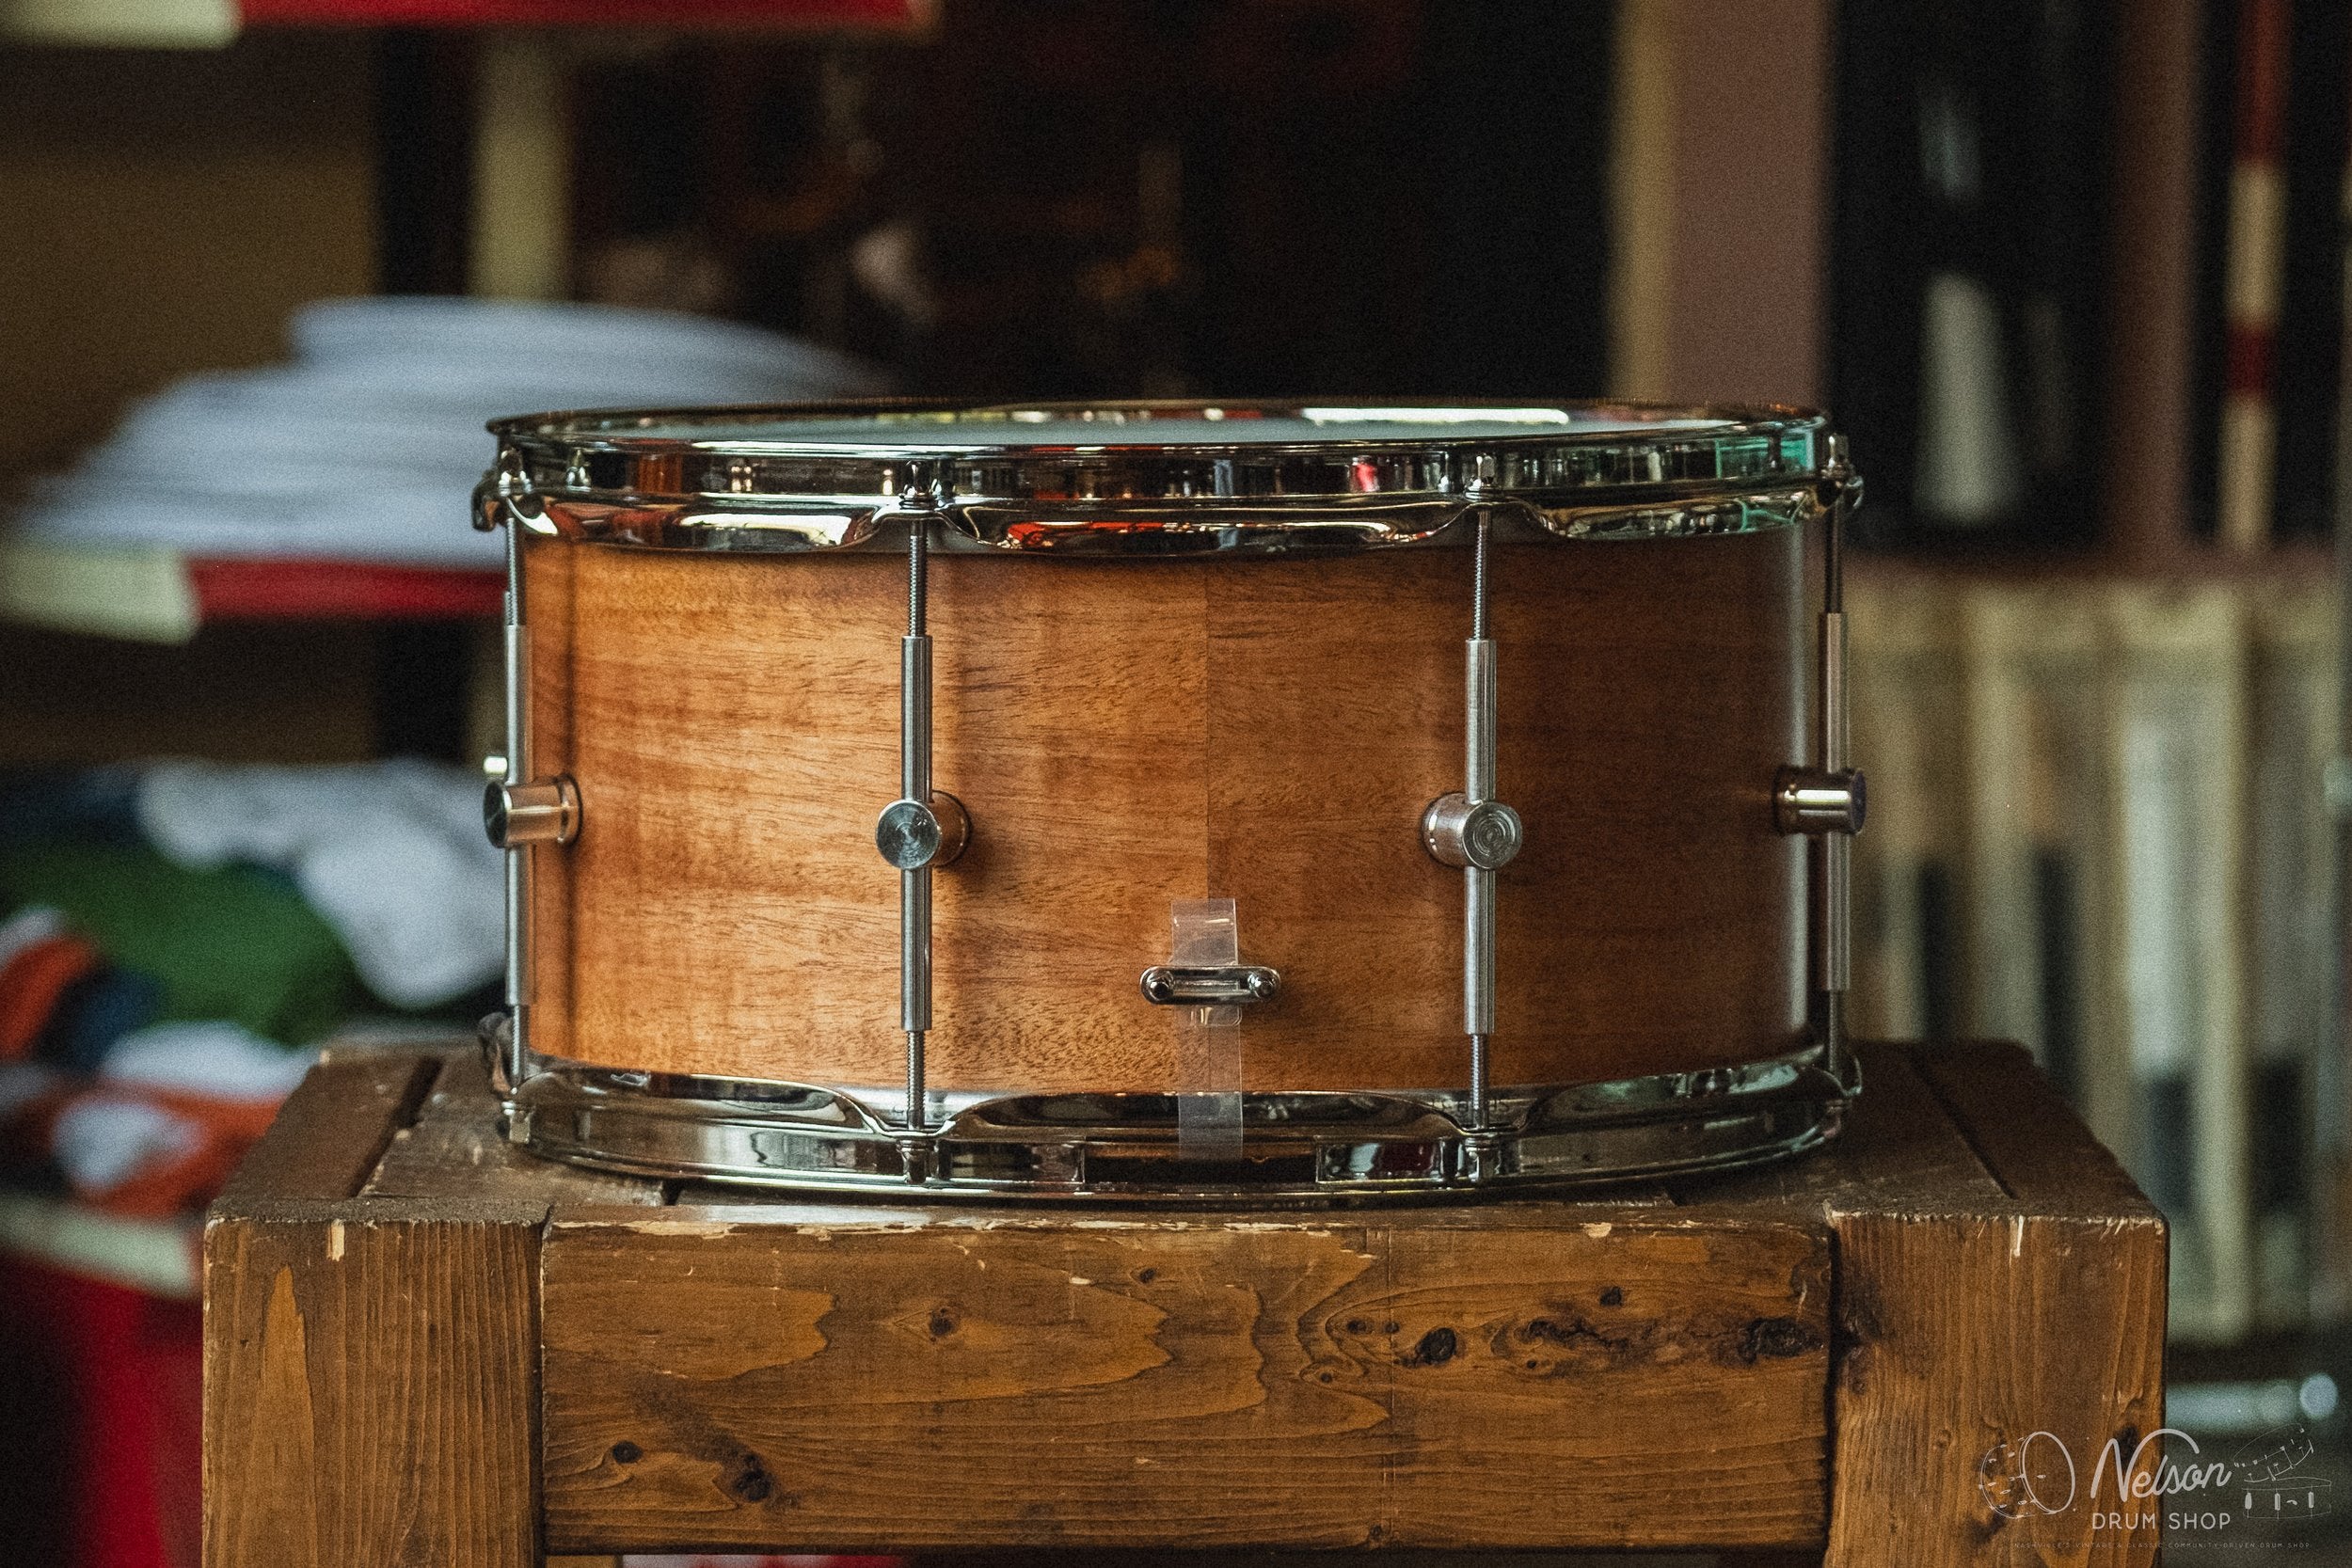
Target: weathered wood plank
1899,1147
370,1386
851,1377
1613,1371
1960,1338
454,1149
1963,1334
2031,1140
335,1125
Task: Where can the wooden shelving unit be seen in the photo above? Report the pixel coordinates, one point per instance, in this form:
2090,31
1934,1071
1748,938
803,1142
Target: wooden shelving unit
155,1257
160,595
211,23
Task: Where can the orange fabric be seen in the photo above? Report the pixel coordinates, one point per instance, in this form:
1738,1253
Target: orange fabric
228,1127
225,1130
31,985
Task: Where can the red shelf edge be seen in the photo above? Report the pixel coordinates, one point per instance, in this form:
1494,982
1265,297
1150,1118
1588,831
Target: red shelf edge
748,15
280,590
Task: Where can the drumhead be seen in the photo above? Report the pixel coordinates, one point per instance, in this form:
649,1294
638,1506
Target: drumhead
1153,477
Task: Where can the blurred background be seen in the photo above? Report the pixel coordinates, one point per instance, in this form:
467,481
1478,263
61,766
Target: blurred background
2071,273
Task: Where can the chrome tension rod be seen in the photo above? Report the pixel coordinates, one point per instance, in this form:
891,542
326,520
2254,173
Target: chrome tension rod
922,829
1828,801
520,808
1471,829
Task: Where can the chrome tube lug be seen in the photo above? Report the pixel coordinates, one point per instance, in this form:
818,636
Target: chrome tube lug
545,811
920,830
1466,833
912,835
1815,803
515,674
1471,831
1826,801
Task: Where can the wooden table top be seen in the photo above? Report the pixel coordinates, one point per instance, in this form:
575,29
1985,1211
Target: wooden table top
643,1365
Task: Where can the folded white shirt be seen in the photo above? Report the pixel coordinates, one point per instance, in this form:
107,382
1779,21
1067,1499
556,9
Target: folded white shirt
390,854
367,445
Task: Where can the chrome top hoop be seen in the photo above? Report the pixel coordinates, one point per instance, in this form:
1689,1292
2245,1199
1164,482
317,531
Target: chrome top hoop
1152,479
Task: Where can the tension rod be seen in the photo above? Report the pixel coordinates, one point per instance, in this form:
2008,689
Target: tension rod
1473,829
1827,801
920,830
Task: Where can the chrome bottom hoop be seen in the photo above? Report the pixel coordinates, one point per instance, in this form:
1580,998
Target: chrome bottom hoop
1296,1147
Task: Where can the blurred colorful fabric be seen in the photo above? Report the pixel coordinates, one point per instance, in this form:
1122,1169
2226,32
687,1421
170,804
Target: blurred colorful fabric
175,939
390,854
230,943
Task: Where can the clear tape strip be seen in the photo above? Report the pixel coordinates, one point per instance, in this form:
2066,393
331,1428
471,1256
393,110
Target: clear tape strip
1205,933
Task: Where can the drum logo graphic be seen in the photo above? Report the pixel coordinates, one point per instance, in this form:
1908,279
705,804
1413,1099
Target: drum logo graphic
2164,1480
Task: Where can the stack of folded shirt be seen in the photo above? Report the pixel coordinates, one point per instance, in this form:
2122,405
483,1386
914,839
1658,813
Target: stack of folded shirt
367,444
175,939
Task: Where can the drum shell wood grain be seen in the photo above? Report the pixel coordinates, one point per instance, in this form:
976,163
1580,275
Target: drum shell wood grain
1129,732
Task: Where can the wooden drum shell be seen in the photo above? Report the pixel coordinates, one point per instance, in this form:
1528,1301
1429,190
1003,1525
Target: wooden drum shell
1129,733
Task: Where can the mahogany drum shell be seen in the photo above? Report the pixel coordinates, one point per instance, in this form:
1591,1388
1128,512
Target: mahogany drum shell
1129,733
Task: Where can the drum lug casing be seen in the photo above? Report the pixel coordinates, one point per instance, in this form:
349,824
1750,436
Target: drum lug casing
1466,835
545,811
911,834
1813,801
1469,830
1825,802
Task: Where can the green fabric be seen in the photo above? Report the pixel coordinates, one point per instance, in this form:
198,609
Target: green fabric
235,942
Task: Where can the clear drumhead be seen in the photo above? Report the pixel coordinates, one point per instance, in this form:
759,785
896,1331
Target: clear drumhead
1010,428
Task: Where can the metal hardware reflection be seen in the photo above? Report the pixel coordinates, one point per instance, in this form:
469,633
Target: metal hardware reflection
1165,478
546,811
1827,802
922,830
1470,829
1107,1147
1169,986
515,669
1485,836
911,834
1808,800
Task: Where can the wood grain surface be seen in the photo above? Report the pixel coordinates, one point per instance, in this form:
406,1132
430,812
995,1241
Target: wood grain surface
457,1148
370,1386
858,1377
1821,1352
340,1118
1972,1330
1129,734
1997,1275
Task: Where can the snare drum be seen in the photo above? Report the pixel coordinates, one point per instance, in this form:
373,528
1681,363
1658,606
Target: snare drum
1167,800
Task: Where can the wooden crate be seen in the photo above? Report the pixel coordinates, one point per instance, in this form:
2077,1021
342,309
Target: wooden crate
424,1346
